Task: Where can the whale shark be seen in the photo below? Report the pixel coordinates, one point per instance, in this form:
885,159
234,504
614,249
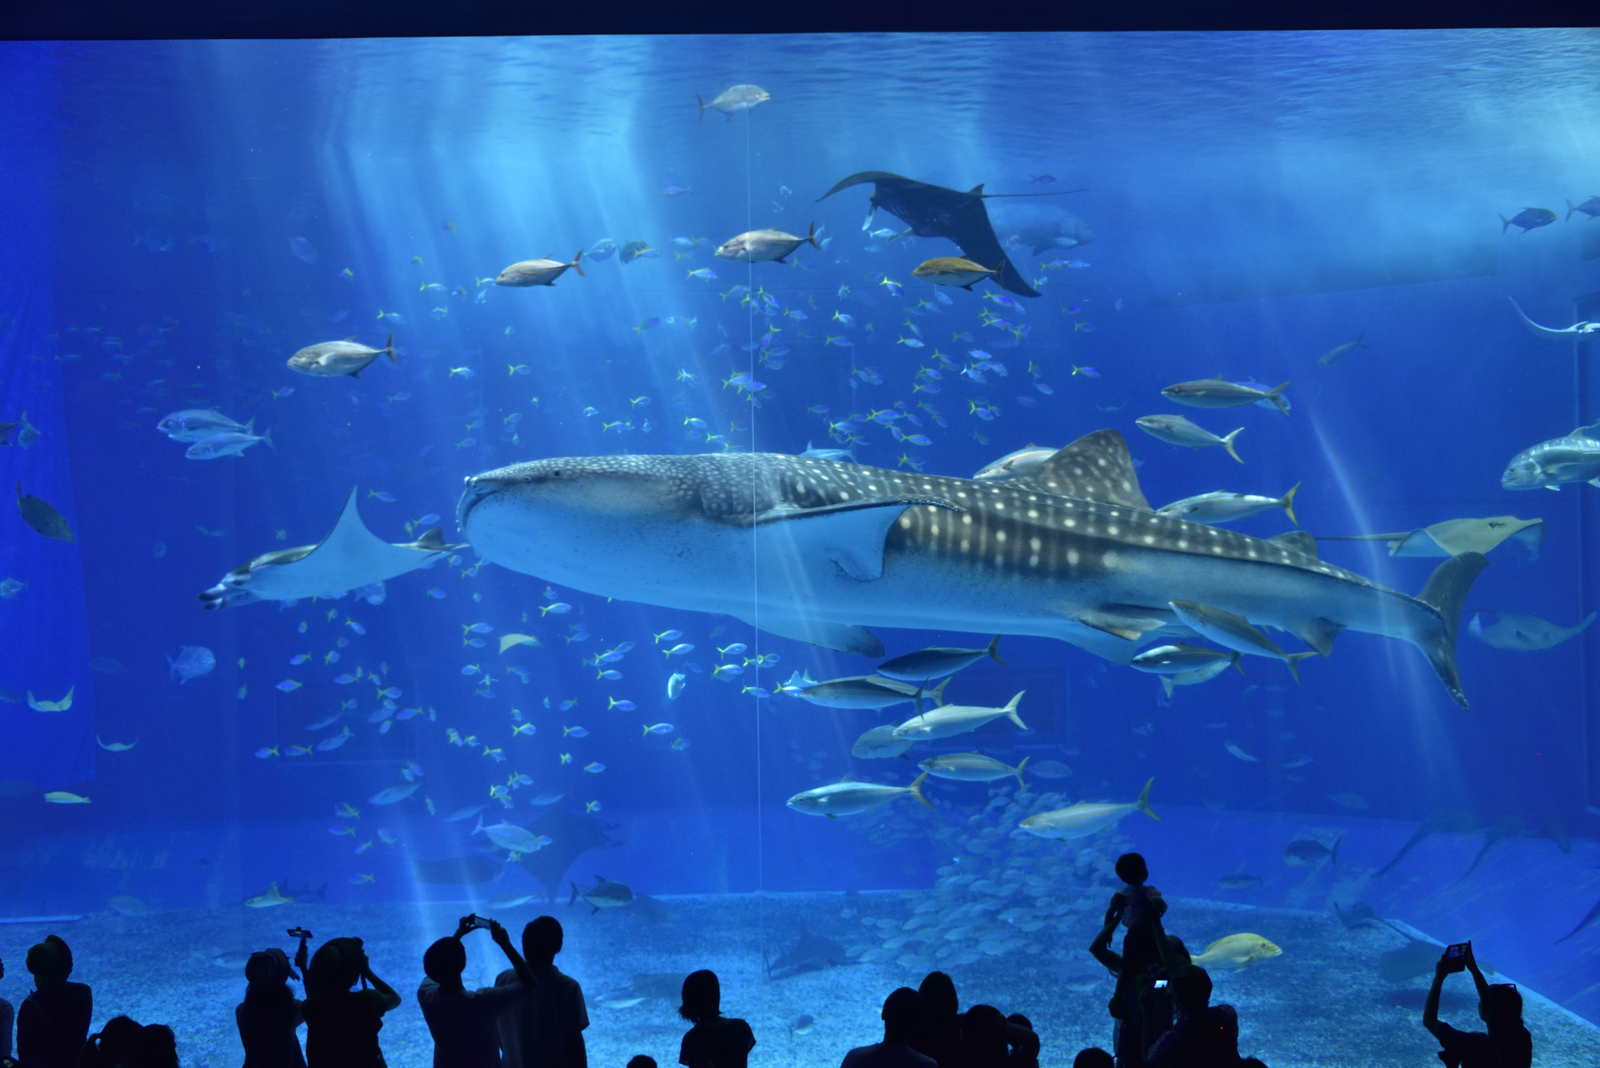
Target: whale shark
821,550
351,556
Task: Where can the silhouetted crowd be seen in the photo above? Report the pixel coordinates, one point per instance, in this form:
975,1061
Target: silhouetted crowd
534,1016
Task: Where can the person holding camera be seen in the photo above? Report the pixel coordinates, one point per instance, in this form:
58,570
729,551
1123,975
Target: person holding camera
1507,1043
342,1024
270,1014
462,1021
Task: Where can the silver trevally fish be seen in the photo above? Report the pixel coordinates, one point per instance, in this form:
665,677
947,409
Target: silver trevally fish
350,557
1069,550
330,359
1176,430
603,249
734,98
1204,673
197,424
937,661
1220,393
1222,507
762,246
956,719
972,767
1180,657
393,795
540,272
1017,463
1086,817
1554,463
1503,630
847,798
879,744
226,443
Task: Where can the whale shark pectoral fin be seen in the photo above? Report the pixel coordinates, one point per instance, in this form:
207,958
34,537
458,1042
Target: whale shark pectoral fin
840,637
851,534
1125,621
1317,633
1096,467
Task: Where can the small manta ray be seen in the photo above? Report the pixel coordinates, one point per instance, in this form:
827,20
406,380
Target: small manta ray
934,211
51,706
350,556
812,953
269,899
1568,333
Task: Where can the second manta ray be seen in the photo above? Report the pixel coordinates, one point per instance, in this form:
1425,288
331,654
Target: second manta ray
1070,549
934,211
351,556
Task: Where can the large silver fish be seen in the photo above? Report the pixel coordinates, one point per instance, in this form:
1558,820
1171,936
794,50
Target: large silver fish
1070,550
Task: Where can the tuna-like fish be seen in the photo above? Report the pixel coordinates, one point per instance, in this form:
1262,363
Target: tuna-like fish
847,798
1528,219
1070,550
540,272
1220,393
948,720
1176,430
1339,352
1590,207
1086,817
879,744
1017,463
1180,657
936,662
1557,462
1222,507
1504,630
761,246
195,424
955,271
972,767
1235,632
602,894
227,443
330,359
733,99
864,691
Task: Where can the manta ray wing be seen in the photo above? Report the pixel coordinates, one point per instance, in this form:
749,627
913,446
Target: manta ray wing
935,211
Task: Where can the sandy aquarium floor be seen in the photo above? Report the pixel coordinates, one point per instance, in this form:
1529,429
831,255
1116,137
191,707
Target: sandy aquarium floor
1321,1003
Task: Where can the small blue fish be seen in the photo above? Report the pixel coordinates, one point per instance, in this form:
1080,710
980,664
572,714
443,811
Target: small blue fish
387,498
574,732
594,768
344,680
679,744
626,706
658,728
476,628
299,659
436,593
289,685
559,608
471,669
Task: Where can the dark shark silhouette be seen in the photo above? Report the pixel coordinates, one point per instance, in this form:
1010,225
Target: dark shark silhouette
934,211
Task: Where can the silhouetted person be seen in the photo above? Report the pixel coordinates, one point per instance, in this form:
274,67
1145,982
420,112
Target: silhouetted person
940,1037
1507,1044
1093,1057
8,1019
715,1040
545,1030
902,1022
155,1046
1023,1041
1202,1034
108,1047
53,1022
461,1021
270,1013
641,1060
1135,1014
342,1025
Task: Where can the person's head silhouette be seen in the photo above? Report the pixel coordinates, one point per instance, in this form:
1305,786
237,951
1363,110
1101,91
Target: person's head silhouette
939,1001
902,1016
1093,1057
542,940
1191,990
155,1046
444,961
1501,1006
335,967
1131,869
702,997
641,1060
50,963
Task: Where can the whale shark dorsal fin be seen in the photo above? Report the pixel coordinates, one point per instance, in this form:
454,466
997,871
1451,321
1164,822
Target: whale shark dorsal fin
1301,541
1096,467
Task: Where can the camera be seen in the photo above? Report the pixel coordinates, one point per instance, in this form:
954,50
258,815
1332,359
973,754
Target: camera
1161,984
300,933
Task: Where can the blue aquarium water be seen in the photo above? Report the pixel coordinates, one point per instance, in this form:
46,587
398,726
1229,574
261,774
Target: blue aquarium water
359,578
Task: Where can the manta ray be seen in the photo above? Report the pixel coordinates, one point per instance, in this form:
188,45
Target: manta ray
820,550
934,211
351,556
1575,332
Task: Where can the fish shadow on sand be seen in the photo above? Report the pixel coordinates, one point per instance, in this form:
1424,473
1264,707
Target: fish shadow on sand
812,953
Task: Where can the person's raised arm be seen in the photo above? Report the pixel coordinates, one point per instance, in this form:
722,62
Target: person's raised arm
387,998
1169,960
1100,949
520,966
1477,974
1430,1008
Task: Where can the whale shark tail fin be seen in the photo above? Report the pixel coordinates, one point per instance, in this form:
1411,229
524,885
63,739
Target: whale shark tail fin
1445,593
